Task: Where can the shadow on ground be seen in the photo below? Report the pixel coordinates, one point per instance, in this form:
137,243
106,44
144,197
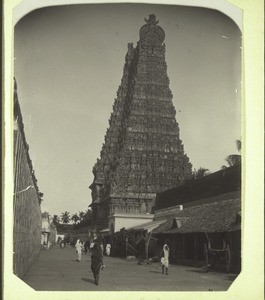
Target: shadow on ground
88,280
155,272
231,277
201,270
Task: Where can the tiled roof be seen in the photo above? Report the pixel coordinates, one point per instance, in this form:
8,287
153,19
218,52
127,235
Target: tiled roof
213,217
64,228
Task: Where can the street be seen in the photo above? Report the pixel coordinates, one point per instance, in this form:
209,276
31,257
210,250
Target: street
57,270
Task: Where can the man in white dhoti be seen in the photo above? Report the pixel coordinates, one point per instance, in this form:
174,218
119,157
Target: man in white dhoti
108,247
164,259
78,247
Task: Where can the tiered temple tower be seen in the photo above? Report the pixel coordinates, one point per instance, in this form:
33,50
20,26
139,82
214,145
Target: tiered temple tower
142,154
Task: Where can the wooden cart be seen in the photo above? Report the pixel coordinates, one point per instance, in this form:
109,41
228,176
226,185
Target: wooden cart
213,256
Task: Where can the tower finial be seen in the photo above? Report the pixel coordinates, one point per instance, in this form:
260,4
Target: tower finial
152,20
152,33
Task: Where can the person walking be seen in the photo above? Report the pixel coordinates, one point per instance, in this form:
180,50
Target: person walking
96,261
91,246
87,246
165,259
101,247
78,247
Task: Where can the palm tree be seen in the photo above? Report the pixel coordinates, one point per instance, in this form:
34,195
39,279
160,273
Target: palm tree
201,172
81,215
88,216
65,217
234,159
55,220
238,145
75,218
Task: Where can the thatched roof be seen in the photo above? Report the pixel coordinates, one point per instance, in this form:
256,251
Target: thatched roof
223,216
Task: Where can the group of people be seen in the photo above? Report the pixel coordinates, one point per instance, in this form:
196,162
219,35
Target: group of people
88,246
97,250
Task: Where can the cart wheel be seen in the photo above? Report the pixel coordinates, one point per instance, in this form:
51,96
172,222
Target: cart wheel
228,259
206,257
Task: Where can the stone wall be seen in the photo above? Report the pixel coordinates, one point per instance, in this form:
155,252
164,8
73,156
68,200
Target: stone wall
194,192
27,211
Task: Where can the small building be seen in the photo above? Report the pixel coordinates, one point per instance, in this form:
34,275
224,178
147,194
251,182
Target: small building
200,213
63,231
192,228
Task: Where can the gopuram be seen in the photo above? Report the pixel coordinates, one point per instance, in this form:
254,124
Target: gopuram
142,153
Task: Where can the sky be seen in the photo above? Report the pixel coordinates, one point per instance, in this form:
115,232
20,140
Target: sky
68,63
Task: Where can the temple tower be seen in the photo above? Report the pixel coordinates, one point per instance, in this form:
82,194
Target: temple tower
142,153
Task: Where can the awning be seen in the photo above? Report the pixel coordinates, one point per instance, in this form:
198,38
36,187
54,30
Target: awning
147,226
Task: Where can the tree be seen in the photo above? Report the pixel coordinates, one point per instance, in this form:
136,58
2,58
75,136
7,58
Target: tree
238,145
85,218
234,159
81,216
65,217
201,172
75,218
88,216
55,220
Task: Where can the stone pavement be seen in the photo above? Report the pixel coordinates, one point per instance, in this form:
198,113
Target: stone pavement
57,270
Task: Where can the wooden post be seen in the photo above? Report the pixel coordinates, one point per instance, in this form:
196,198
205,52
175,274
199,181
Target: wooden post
126,244
195,248
231,248
147,240
183,247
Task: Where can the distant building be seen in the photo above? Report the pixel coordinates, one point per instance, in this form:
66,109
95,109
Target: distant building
70,232
142,153
64,230
27,200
